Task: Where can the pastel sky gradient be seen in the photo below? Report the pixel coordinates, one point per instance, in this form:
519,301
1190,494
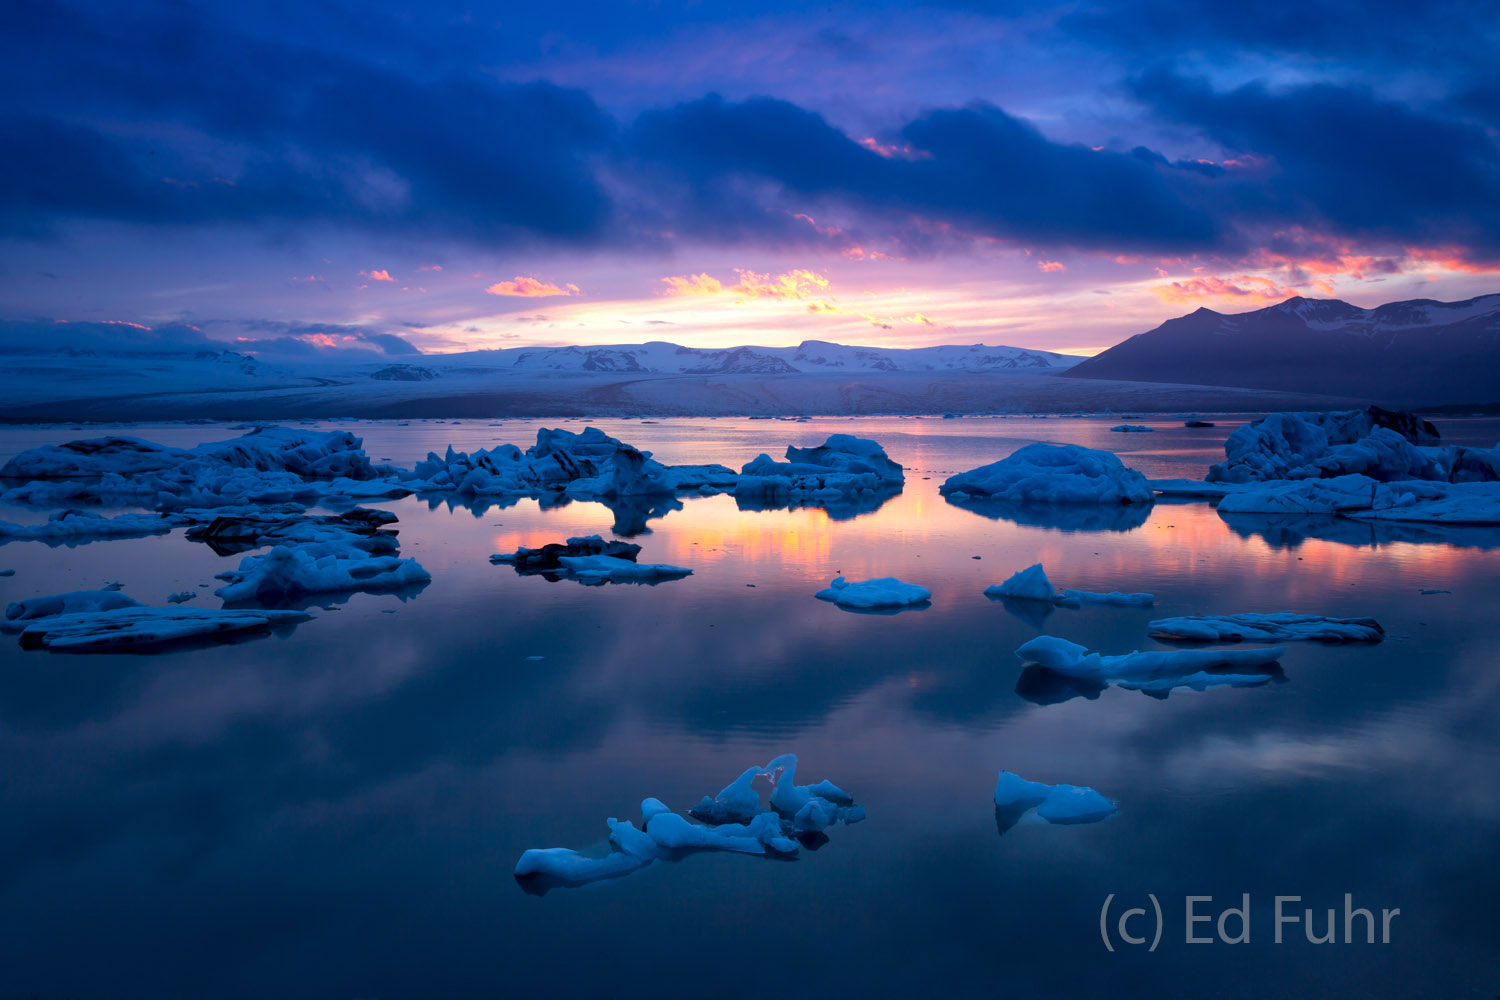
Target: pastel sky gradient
319,176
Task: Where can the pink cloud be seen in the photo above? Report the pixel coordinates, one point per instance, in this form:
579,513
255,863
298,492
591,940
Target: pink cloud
380,275
1051,265
530,288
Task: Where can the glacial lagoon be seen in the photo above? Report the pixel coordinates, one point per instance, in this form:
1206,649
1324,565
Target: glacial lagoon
336,809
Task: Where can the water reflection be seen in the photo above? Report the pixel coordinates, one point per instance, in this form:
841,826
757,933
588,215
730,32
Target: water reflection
1061,517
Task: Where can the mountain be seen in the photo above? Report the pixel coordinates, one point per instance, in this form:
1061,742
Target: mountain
1413,353
661,358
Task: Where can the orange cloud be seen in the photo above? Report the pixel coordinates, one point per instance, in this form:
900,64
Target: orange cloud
531,288
693,284
1453,259
794,285
1245,288
381,275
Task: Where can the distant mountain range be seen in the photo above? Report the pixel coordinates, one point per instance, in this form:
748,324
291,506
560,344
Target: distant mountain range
662,358
1413,353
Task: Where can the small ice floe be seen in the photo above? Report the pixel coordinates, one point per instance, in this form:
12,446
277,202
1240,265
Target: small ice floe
1072,660
73,602
289,572
1195,489
1282,626
612,569
590,560
545,558
145,628
181,597
884,593
1052,474
1059,804
77,527
7,572
1132,429
1202,680
1305,496
1031,584
736,821
1197,423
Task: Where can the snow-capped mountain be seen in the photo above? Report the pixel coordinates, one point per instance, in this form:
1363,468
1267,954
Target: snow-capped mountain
1413,353
663,358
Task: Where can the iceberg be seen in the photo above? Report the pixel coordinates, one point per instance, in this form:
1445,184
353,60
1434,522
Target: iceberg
1057,804
233,530
1052,474
1132,429
1072,660
882,593
841,468
1382,444
1283,626
736,821
545,559
586,465
1363,498
1031,584
76,527
142,628
289,572
613,569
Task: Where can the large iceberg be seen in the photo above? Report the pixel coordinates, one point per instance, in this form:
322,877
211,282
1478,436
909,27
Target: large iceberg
736,821
71,603
1384,445
1052,474
1072,660
587,464
1031,584
1282,626
840,469
232,530
884,593
1363,498
1059,804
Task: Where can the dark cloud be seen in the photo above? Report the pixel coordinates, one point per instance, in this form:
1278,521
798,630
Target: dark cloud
1345,160
192,115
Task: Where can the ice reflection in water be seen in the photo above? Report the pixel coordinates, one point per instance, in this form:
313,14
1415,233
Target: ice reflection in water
337,812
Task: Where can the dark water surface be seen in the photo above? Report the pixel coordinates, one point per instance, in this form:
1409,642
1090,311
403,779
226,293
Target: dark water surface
336,812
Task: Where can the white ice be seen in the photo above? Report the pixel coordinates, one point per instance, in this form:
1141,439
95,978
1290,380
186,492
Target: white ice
881,592
1052,473
141,627
288,572
613,569
73,602
1031,584
1072,660
82,525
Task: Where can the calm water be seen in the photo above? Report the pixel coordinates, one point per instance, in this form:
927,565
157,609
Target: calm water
336,812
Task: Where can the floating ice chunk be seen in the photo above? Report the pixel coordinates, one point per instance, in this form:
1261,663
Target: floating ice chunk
1072,660
1031,584
231,530
881,592
841,468
1074,804
687,478
1061,804
1052,474
141,627
1282,626
1381,443
1159,687
569,866
1196,489
585,465
1308,496
181,596
1132,429
1470,503
612,569
84,526
73,602
737,822
289,572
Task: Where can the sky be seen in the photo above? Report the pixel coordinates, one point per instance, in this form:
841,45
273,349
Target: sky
316,177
